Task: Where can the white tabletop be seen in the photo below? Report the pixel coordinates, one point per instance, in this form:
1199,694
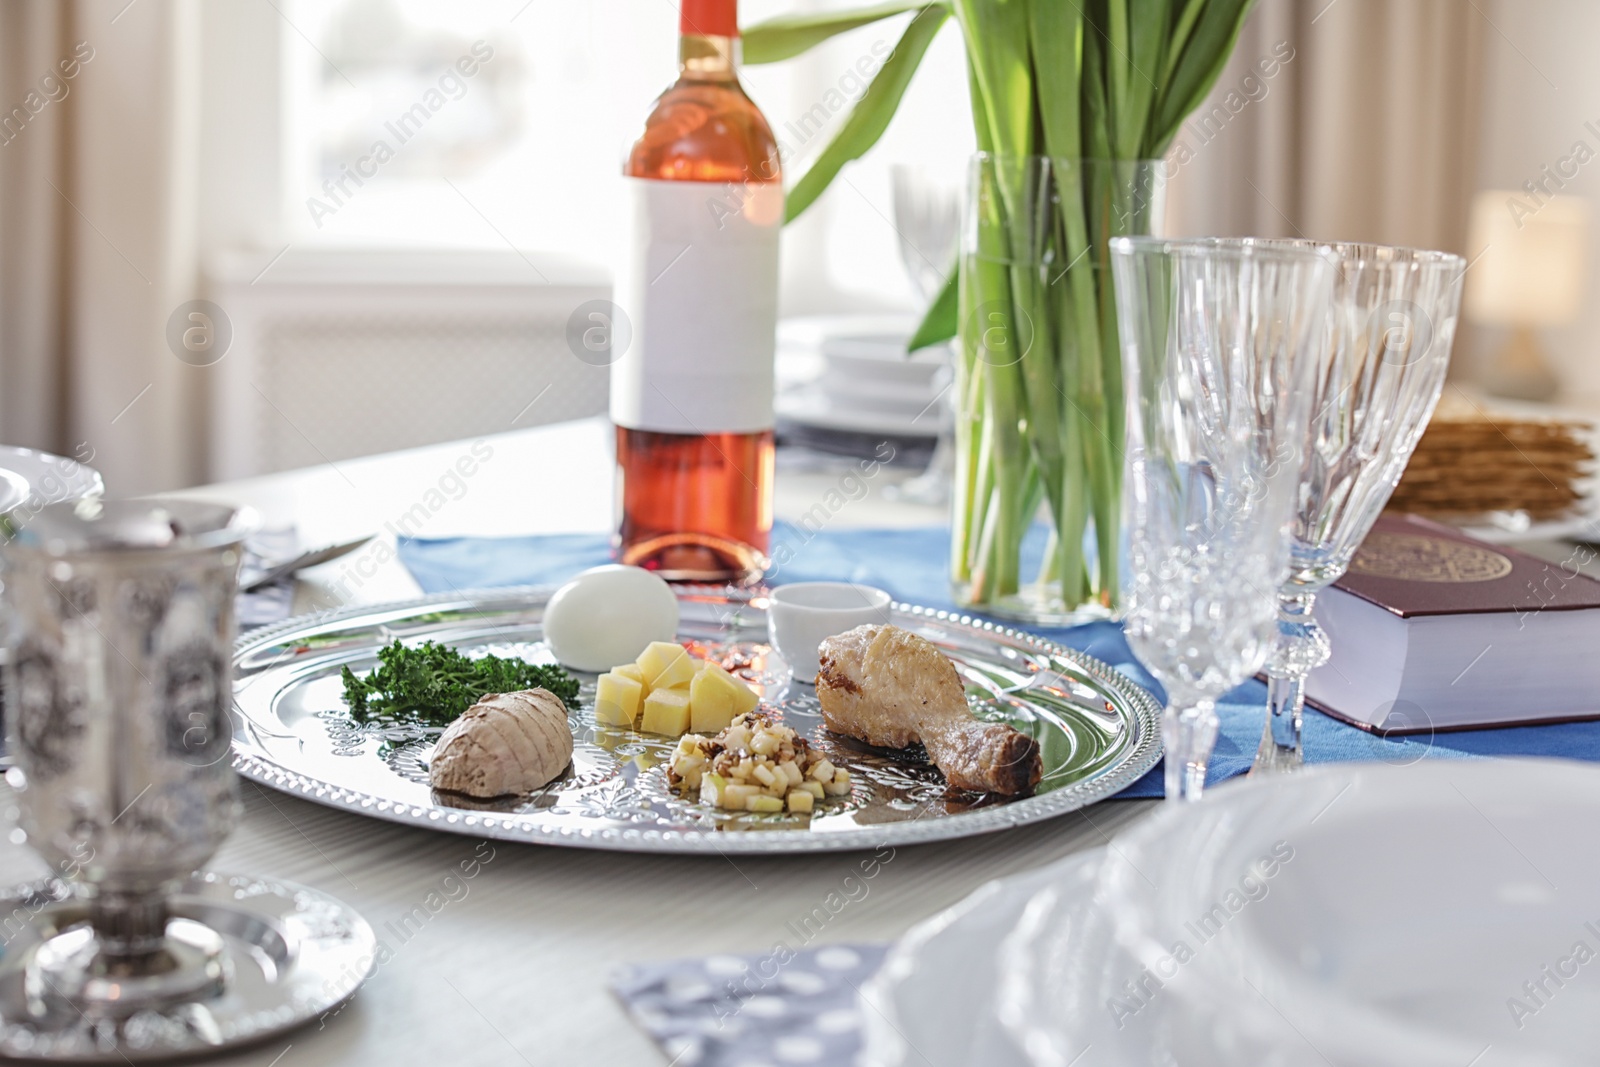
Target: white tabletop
515,970
549,479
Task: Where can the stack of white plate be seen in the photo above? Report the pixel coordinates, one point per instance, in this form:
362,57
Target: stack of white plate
1444,914
852,374
43,478
13,490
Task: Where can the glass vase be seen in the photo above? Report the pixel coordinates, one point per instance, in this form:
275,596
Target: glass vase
1036,532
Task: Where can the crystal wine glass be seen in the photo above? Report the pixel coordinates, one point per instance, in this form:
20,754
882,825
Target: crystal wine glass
1381,366
1218,349
927,216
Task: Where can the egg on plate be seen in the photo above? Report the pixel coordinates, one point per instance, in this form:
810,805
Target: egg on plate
608,615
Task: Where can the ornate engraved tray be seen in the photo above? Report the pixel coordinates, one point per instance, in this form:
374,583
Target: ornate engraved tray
1097,730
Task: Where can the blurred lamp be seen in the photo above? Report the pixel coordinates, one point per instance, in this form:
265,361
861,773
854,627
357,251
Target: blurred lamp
1528,271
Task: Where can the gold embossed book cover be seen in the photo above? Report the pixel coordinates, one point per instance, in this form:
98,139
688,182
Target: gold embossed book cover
1412,566
1434,630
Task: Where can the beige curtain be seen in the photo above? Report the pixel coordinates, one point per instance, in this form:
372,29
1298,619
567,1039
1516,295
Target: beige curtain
1339,120
33,366
98,121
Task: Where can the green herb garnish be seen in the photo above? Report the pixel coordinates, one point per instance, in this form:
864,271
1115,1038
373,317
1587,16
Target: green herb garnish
431,685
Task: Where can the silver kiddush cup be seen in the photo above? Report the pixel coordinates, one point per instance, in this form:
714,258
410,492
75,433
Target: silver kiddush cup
121,617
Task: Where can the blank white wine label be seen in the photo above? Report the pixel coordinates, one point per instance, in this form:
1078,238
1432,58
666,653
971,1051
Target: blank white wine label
698,282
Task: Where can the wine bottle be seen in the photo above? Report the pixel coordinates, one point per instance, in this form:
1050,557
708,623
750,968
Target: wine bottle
691,393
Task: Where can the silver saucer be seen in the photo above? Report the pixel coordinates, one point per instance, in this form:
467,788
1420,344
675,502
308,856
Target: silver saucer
289,953
50,479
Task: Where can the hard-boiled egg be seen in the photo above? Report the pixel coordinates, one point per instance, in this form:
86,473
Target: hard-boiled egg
608,615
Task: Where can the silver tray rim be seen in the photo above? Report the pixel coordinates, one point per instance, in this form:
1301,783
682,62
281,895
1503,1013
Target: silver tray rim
1144,755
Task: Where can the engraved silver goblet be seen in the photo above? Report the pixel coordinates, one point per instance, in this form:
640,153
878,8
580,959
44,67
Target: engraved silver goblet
122,628
1382,365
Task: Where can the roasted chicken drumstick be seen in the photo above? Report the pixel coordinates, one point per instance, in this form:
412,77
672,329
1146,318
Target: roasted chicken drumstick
888,687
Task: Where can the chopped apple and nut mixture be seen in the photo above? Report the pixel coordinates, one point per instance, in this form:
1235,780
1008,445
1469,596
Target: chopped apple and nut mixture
755,764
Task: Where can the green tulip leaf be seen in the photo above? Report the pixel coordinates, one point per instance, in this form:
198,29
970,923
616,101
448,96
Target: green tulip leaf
871,114
939,324
787,36
1205,53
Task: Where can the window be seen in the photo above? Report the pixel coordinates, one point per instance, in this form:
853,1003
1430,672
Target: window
433,123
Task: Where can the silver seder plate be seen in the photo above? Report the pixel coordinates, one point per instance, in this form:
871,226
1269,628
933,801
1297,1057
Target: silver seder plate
1098,732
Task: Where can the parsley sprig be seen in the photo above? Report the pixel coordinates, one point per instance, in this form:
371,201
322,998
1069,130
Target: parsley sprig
431,685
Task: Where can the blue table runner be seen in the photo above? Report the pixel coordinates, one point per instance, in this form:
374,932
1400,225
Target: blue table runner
911,565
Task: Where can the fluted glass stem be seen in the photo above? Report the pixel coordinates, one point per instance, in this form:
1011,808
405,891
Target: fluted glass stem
1302,647
1188,733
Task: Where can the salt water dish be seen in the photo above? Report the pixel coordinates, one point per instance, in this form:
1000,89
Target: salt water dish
801,615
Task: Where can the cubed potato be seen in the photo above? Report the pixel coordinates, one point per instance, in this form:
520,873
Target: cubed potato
744,698
666,712
666,665
822,771
814,788
716,698
764,803
617,700
710,710
800,800
631,670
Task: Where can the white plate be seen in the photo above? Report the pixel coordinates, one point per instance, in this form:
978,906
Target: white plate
848,373
1408,915
872,395
882,358
1407,910
1583,525
13,490
808,405
51,479
933,1002
811,331
1025,971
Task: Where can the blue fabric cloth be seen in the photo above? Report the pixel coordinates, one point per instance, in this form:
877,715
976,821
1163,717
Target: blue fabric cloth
784,1006
911,565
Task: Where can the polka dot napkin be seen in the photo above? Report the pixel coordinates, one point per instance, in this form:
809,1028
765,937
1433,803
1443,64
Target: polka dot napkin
783,1007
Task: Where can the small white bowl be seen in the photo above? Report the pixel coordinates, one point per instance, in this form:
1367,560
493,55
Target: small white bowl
800,616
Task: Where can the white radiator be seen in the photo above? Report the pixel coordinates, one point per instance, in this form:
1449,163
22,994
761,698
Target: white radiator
340,354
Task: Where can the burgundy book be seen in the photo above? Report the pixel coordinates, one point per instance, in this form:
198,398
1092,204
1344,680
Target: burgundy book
1436,630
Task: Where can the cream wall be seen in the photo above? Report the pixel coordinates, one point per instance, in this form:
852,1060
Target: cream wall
1542,84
